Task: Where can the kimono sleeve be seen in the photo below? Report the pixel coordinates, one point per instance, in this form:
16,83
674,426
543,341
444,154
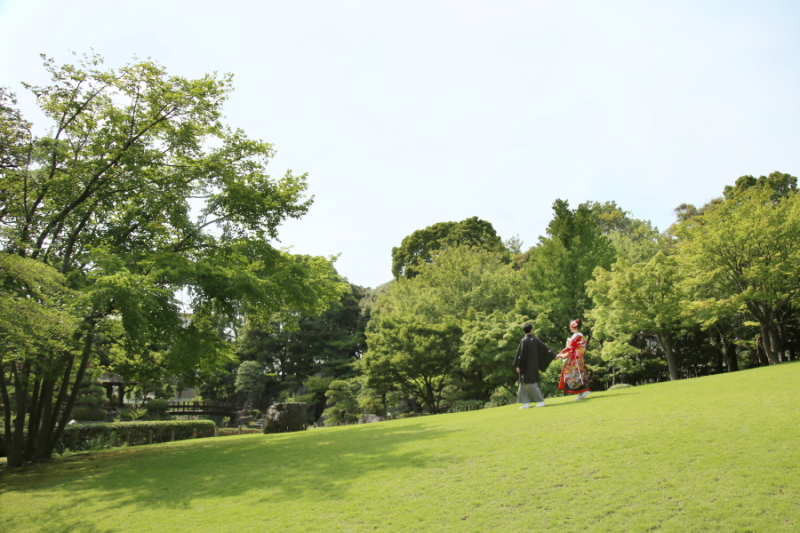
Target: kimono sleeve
518,359
546,356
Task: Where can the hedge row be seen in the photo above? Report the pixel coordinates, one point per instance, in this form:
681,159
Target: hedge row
81,437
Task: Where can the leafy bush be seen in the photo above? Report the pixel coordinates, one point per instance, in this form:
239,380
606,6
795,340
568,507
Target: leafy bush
620,386
548,380
500,397
77,437
342,406
301,398
88,414
466,405
90,394
157,409
133,413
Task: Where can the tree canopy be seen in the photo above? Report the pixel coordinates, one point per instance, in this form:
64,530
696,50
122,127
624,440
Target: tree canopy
423,245
136,192
743,253
562,262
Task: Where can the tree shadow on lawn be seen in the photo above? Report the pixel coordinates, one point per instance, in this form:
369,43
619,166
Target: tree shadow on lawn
321,462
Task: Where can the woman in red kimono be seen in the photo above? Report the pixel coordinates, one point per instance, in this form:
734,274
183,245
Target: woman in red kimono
574,376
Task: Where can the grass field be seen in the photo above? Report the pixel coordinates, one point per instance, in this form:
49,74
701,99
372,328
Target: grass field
719,453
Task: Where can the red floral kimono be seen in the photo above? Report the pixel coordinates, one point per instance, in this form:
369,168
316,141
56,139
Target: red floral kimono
574,376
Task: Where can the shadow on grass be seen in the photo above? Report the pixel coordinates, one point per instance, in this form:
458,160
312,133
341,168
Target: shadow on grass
322,463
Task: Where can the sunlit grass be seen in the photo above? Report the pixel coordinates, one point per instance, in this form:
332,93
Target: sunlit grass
720,453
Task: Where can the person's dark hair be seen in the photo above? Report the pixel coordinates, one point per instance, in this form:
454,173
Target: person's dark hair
528,327
578,322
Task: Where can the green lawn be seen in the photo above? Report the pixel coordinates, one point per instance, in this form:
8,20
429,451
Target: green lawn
719,453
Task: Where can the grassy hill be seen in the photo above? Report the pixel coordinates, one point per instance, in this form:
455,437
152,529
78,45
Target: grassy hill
719,453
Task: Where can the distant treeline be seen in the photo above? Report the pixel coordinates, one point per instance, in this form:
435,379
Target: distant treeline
718,291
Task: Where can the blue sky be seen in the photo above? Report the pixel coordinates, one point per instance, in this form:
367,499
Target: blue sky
409,113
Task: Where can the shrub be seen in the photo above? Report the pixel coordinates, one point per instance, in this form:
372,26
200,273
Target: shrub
133,413
90,394
500,397
548,380
157,409
342,406
88,414
620,386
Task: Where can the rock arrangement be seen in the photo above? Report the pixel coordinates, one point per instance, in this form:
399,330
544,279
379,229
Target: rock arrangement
243,418
283,417
368,419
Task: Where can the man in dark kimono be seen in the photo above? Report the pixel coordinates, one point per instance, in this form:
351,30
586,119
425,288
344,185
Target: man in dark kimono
533,356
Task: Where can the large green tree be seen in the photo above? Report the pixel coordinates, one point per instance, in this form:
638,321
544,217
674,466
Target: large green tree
439,300
107,197
250,380
561,263
462,278
488,345
743,253
416,355
423,246
641,299
328,343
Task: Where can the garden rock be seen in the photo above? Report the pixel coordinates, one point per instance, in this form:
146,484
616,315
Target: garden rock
368,419
282,417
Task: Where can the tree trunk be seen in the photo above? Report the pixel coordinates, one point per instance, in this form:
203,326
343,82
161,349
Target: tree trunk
44,420
762,359
430,398
666,343
11,456
719,346
34,412
88,346
728,350
15,442
769,340
730,357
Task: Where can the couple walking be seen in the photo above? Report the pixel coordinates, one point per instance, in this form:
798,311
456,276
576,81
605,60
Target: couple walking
533,356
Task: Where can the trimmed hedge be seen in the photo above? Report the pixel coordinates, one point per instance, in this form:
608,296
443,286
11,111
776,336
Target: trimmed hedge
80,437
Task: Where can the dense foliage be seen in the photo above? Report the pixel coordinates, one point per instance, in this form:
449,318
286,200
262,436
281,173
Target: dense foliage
135,194
716,292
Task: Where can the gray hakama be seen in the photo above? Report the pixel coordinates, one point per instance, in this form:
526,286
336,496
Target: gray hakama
529,393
